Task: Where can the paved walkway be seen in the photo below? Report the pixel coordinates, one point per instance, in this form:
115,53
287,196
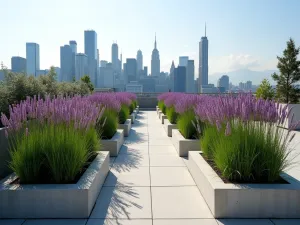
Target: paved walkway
149,184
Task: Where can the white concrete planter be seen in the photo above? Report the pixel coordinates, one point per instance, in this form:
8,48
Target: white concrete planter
163,118
54,200
157,110
137,109
126,127
182,145
114,144
169,127
159,114
227,200
135,113
295,108
132,117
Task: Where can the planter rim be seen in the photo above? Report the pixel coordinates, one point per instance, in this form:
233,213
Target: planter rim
217,183
84,183
115,137
183,138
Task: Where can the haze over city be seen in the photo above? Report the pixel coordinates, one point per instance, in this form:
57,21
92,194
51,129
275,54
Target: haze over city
245,35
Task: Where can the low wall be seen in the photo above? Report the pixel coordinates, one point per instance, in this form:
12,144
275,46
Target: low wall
4,155
147,102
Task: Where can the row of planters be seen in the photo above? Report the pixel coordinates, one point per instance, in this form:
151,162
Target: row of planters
240,169
59,154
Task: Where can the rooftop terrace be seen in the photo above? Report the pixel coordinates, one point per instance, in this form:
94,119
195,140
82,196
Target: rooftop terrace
149,184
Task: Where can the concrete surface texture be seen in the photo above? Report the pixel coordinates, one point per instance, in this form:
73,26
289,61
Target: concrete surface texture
149,184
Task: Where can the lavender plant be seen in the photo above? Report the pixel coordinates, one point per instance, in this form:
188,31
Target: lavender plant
243,137
52,139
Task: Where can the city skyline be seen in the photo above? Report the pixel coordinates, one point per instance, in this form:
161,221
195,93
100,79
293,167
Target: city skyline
236,42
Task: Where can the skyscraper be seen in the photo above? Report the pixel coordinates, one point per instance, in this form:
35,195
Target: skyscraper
66,63
139,60
155,61
81,65
224,82
171,80
190,76
90,49
32,58
203,61
183,60
73,45
131,70
180,79
114,56
18,64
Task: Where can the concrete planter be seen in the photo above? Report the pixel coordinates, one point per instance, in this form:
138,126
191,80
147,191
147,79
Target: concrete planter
54,200
160,114
137,109
295,109
244,200
169,127
114,144
163,118
182,145
126,127
157,110
132,117
135,113
4,155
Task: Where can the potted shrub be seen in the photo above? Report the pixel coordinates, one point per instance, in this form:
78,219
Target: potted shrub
240,171
55,159
124,122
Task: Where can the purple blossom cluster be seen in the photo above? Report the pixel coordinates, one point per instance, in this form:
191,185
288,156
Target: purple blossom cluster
107,100
76,111
124,98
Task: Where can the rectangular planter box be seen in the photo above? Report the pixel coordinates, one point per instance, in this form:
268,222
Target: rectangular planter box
114,144
157,110
126,127
159,114
54,200
132,117
163,118
295,109
4,155
169,127
244,200
135,113
182,145
137,109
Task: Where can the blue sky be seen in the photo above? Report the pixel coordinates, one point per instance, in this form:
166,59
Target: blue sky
241,33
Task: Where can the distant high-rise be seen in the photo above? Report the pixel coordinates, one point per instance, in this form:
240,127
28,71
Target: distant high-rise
180,79
90,49
103,63
81,65
32,58
183,60
155,61
224,82
115,56
190,76
203,61
131,70
139,60
66,63
18,64
171,80
145,71
73,45
107,76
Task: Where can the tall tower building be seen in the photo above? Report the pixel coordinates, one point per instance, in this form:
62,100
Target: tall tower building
155,61
90,49
73,45
66,63
180,79
81,65
190,76
203,61
18,64
139,60
171,80
114,56
183,60
130,70
32,58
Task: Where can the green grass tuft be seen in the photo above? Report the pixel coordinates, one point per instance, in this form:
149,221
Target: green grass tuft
107,126
185,124
171,114
123,114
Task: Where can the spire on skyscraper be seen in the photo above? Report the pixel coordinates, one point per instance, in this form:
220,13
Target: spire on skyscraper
205,29
155,41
